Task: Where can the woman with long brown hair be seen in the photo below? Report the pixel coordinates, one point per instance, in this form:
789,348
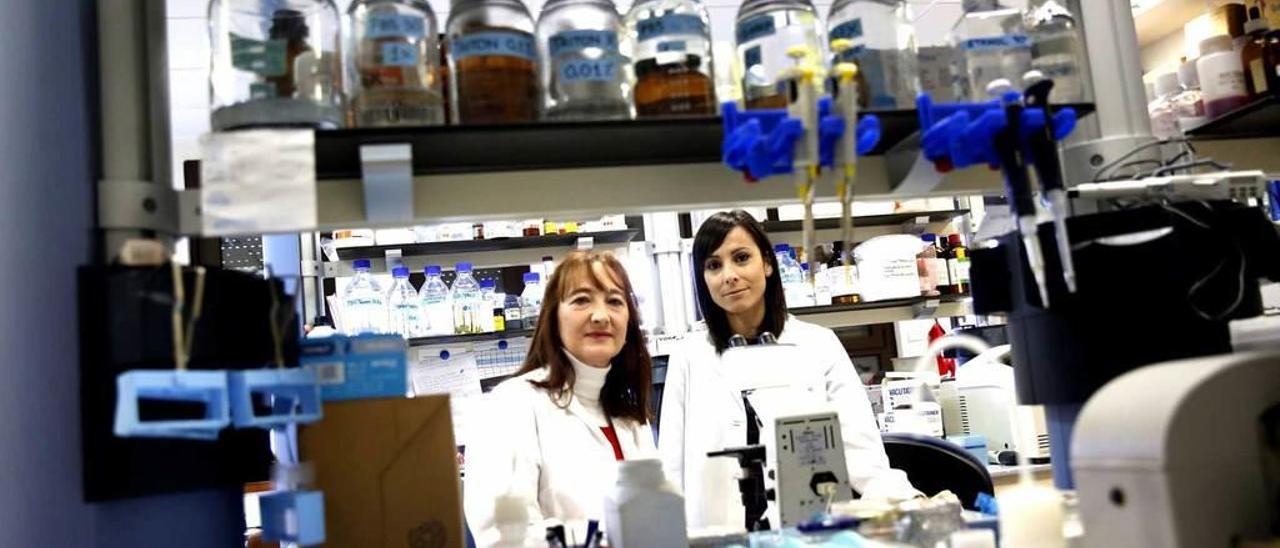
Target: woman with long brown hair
553,434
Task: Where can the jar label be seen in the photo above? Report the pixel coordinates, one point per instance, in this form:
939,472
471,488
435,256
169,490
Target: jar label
671,24
1258,71
848,30
752,57
395,26
755,29
573,41
996,42
399,54
672,46
264,57
509,44
588,70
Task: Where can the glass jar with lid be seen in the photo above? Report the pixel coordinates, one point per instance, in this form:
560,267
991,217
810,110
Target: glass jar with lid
884,48
670,42
493,63
275,63
395,62
764,30
584,71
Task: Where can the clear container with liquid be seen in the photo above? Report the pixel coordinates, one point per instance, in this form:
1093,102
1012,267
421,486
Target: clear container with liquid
670,42
395,62
584,70
275,64
404,311
437,310
991,43
1221,76
469,308
764,30
884,48
1057,50
364,305
493,63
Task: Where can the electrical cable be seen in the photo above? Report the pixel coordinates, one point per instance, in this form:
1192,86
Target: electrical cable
1189,165
1201,283
1099,177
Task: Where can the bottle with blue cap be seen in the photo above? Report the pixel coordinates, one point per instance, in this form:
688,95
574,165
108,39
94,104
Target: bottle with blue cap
488,294
531,299
467,302
437,311
404,312
363,303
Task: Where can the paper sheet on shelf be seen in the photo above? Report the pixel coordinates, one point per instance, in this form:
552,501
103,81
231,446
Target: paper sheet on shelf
258,181
457,376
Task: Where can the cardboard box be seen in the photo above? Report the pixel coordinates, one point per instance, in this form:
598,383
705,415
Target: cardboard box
389,472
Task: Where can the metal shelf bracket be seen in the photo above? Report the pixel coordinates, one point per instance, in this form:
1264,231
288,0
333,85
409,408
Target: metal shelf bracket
137,205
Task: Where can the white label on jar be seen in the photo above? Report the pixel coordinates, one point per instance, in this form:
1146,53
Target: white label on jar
399,54
573,41
585,55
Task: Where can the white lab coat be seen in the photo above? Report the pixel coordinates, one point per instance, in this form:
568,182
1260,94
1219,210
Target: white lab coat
701,413
556,457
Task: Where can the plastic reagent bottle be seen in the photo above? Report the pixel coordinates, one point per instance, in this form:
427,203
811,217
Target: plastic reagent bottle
404,312
363,302
884,48
488,293
1221,76
992,44
467,302
642,498
531,300
437,312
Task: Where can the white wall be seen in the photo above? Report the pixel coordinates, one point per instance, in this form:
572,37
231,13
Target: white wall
189,53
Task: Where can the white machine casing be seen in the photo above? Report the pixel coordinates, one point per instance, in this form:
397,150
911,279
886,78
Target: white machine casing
810,449
1173,454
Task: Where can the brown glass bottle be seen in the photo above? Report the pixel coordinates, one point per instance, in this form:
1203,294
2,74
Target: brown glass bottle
1251,56
1271,60
673,89
290,26
493,88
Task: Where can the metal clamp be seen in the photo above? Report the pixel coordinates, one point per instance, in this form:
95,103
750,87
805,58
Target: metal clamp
927,308
137,205
387,174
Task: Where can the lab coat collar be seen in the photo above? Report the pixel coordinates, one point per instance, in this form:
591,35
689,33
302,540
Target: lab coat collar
588,380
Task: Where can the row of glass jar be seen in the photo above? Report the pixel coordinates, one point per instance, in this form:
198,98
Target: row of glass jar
280,65
582,61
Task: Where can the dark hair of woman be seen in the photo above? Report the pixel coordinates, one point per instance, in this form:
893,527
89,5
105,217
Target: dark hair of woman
625,394
710,236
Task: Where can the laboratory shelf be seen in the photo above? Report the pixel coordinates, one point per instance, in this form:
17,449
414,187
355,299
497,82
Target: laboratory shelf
472,338
863,221
1260,118
493,244
850,315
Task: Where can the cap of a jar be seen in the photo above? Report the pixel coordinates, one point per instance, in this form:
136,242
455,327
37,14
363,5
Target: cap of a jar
1215,44
1188,76
1167,84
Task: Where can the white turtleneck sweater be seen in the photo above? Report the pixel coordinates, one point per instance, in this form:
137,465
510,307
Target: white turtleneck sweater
587,384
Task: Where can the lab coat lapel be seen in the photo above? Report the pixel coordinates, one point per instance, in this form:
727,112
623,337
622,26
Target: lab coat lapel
579,412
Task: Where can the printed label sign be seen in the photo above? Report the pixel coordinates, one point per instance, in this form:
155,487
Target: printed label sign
395,26
508,44
588,70
262,57
996,42
671,24
571,41
849,30
672,46
755,28
399,54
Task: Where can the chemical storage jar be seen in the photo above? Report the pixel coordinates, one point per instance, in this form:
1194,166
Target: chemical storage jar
394,58
671,55
764,31
493,64
584,70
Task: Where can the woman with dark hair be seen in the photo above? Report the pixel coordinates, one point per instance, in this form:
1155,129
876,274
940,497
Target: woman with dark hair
739,289
553,434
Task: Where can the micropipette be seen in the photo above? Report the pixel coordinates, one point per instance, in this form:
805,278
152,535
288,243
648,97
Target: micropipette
1018,185
802,103
1044,153
844,90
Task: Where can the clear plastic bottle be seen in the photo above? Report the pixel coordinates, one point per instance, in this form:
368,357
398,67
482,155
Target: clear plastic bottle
583,68
404,311
488,294
671,51
493,63
992,44
275,64
468,316
884,47
364,305
1164,119
395,63
437,311
531,300
1057,50
764,30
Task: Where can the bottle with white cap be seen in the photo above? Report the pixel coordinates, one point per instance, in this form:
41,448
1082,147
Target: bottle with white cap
1221,76
1164,119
